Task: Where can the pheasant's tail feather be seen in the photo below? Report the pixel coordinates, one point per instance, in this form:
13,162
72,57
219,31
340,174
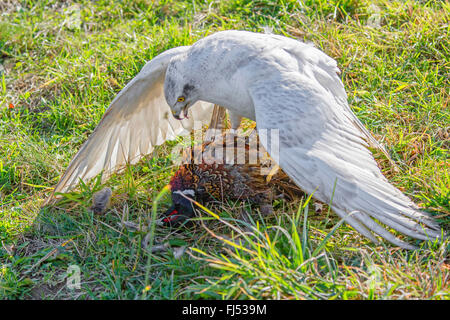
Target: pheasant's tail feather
218,118
217,124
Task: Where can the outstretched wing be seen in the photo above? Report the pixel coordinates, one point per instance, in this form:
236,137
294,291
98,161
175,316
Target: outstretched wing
323,149
137,120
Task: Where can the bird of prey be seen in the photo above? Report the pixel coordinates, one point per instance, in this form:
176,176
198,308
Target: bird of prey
285,86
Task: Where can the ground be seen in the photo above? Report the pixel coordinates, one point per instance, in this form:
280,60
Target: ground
61,64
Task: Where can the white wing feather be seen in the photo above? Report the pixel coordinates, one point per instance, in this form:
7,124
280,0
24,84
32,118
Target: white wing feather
137,120
322,142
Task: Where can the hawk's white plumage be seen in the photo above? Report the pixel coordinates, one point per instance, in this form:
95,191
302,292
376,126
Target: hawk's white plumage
137,120
280,83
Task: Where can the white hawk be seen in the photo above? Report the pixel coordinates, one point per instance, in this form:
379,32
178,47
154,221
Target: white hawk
280,83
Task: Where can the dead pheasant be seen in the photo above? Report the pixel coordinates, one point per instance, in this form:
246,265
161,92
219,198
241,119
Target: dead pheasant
221,169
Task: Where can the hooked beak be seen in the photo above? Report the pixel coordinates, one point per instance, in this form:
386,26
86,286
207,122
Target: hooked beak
183,111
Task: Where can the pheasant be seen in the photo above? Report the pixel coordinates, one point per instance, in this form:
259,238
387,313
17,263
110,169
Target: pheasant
220,169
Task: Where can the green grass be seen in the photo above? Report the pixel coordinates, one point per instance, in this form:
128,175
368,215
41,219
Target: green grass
61,64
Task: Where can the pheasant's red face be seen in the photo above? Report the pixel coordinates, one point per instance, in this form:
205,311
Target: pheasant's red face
181,209
171,215
178,213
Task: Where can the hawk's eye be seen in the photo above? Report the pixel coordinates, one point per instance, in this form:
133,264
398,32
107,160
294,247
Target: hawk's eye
181,99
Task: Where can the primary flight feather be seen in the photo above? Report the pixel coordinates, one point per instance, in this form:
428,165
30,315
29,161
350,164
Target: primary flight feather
285,86
137,120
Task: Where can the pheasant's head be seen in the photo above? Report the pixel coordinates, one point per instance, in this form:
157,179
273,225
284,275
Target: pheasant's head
184,183
181,208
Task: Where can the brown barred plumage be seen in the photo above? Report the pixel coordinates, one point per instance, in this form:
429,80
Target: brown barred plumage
209,176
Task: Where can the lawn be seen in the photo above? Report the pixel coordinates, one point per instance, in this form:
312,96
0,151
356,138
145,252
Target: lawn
62,63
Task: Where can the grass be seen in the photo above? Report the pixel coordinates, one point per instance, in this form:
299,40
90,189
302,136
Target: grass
61,64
